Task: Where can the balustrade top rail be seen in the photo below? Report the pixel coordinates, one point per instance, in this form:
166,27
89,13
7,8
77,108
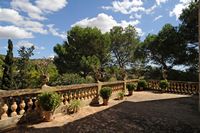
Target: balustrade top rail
187,82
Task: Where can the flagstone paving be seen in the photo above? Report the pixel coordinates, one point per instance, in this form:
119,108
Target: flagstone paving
143,112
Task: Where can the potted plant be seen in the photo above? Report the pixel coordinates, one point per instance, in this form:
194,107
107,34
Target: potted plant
74,106
130,88
142,84
120,95
164,84
49,101
105,93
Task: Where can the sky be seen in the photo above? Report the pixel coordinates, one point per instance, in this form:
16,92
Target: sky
44,23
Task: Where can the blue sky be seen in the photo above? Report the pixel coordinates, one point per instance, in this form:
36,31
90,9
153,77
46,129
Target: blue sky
44,23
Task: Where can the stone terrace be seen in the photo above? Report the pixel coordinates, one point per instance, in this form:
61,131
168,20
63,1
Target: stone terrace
143,112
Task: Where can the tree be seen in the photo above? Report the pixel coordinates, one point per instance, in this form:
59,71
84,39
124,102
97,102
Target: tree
23,65
7,80
124,42
82,42
167,49
189,31
92,64
189,23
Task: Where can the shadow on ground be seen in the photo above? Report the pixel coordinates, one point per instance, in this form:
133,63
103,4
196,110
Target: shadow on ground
177,115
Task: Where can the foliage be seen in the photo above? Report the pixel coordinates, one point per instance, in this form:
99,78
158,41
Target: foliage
68,79
49,101
189,31
82,42
23,66
167,49
120,95
164,84
74,106
92,64
142,84
7,80
123,44
105,92
130,86
1,66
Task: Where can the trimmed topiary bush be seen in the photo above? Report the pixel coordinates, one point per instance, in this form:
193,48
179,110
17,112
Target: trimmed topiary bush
164,84
130,86
49,101
142,84
105,92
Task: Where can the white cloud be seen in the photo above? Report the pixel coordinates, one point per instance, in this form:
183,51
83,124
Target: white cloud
178,9
9,15
135,16
161,1
27,44
14,32
38,9
158,17
105,23
54,31
51,5
151,9
26,6
125,6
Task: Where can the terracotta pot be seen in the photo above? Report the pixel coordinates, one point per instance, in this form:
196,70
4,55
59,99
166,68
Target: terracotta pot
105,102
130,93
48,115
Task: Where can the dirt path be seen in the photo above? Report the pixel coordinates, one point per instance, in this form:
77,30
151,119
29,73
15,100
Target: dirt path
144,112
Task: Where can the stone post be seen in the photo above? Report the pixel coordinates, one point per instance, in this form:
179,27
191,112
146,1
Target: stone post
95,100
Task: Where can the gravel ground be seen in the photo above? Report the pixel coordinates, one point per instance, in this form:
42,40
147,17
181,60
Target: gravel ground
143,112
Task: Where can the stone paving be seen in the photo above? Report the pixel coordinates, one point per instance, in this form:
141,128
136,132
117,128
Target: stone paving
144,112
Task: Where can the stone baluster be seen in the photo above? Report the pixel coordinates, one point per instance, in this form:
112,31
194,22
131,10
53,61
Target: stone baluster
83,94
22,106
4,109
70,96
79,95
189,87
66,97
62,99
14,108
30,104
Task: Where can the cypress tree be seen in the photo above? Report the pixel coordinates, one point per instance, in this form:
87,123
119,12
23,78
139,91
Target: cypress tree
7,80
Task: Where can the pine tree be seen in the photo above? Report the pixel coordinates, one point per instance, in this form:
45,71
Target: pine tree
23,65
7,80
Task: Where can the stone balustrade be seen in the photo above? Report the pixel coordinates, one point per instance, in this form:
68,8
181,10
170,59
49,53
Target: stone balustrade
17,102
179,87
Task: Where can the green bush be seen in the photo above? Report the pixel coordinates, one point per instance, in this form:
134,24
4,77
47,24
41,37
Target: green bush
130,86
120,95
105,92
74,106
68,79
142,84
49,101
164,84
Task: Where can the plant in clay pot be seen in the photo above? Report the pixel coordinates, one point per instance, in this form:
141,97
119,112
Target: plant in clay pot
131,88
120,95
105,93
74,106
164,84
49,102
142,84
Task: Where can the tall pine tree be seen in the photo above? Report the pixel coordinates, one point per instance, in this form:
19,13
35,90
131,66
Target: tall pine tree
7,80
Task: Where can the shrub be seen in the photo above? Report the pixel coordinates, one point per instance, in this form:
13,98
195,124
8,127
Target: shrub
120,95
68,79
49,101
142,84
130,86
74,106
164,84
105,92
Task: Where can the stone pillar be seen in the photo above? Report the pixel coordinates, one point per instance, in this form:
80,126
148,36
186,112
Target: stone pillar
95,100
